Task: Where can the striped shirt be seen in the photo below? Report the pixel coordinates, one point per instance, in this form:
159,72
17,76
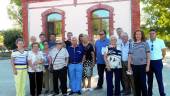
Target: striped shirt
114,57
20,58
60,60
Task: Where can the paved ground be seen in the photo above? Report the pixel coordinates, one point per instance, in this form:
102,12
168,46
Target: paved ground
7,87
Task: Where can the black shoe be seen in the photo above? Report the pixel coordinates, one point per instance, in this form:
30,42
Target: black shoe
97,88
71,93
79,92
127,93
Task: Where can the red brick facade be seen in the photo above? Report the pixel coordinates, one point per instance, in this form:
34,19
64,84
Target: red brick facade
135,15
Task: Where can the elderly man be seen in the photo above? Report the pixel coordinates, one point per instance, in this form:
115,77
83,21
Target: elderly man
75,66
127,79
158,52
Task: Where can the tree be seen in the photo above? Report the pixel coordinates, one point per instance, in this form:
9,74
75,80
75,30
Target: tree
15,11
157,13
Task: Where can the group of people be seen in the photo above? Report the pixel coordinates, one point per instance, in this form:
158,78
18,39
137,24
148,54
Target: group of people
133,62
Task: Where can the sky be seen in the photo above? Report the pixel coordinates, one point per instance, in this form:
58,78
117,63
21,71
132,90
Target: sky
5,22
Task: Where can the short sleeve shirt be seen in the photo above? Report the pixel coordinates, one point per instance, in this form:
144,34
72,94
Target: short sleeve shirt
87,51
114,57
20,58
138,52
60,60
156,48
35,57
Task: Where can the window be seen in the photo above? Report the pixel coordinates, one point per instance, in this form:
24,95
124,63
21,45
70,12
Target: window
100,17
53,21
54,24
100,21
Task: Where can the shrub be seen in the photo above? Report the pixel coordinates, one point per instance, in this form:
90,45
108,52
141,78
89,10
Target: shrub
10,36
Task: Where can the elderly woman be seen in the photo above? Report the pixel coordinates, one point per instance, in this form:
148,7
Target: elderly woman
47,78
35,69
112,57
19,64
32,39
59,56
88,63
139,62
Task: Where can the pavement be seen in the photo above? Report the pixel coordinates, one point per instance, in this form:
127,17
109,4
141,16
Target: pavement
7,87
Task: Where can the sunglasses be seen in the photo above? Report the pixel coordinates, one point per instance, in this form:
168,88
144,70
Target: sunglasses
59,43
152,47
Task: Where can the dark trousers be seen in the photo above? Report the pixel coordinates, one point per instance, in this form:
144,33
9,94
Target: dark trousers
139,74
127,79
109,79
62,76
36,79
156,67
100,69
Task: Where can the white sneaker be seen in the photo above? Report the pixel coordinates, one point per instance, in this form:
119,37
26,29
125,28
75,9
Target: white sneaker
84,89
90,89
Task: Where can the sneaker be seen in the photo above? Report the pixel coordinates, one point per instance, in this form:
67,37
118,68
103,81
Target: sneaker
90,89
84,89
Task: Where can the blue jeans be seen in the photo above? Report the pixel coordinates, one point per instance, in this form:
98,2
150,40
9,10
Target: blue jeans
156,67
109,79
75,76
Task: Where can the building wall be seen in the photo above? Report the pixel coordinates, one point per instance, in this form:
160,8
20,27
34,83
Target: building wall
76,15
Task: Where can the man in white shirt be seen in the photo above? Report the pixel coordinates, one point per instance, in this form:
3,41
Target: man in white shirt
127,79
158,52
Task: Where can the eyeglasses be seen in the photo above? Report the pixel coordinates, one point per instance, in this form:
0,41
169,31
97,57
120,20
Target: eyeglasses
101,34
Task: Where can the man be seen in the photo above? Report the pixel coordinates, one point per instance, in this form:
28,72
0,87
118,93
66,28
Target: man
68,42
119,39
42,39
100,46
52,41
158,52
127,79
119,42
75,66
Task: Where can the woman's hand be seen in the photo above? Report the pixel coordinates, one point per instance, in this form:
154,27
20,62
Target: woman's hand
15,72
108,67
147,68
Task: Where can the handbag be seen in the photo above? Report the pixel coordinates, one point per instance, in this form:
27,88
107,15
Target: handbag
51,69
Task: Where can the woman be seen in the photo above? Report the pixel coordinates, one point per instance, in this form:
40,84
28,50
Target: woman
35,69
81,39
59,56
138,62
47,75
88,63
112,57
32,39
19,64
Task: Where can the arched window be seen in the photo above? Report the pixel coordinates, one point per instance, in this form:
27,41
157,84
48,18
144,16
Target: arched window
100,21
54,24
53,21
100,17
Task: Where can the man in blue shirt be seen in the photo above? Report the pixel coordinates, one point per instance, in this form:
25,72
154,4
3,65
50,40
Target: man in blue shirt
158,52
75,66
52,41
100,46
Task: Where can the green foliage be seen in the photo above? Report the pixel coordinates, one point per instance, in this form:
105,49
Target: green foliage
157,13
15,11
1,39
10,36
